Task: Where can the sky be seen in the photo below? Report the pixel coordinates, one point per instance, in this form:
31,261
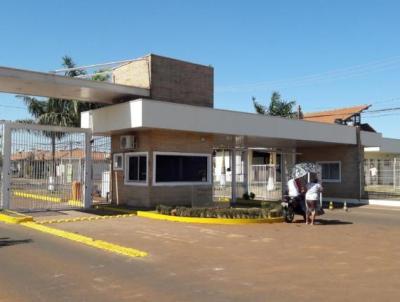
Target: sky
322,54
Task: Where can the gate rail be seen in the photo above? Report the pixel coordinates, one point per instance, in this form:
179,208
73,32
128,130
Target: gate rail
30,145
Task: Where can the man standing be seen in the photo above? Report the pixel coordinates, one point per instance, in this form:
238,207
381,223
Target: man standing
373,172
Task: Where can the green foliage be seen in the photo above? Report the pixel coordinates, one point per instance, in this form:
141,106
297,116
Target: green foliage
101,75
60,112
252,195
245,213
276,107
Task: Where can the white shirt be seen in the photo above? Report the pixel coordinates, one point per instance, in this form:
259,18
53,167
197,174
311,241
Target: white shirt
292,188
313,190
373,171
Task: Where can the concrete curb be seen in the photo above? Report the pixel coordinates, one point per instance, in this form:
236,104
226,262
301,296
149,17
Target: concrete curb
153,215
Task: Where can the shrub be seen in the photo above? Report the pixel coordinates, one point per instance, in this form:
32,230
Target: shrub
166,210
267,210
252,195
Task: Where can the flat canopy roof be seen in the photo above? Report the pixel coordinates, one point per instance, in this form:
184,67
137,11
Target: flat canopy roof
28,82
152,114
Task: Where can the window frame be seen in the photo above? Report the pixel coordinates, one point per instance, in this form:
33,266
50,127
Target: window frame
183,183
126,169
339,180
115,155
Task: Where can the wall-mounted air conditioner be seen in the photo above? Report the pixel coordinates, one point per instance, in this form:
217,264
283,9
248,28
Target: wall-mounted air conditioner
127,142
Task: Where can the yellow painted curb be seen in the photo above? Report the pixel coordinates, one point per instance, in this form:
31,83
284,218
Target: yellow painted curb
99,244
37,196
11,219
84,218
154,215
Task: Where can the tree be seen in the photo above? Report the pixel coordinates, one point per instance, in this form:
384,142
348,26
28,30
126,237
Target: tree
59,112
277,107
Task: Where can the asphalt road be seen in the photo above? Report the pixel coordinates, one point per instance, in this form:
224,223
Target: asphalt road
40,267
358,251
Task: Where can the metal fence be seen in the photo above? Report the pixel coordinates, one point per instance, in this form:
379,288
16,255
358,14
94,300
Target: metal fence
45,168
101,169
263,182
382,176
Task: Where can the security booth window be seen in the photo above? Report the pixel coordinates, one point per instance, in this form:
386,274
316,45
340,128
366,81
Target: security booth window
181,168
135,168
331,171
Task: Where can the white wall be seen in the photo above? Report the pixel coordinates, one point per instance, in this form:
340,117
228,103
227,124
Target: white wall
163,115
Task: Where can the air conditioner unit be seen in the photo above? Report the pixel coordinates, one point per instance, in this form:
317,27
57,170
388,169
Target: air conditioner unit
127,142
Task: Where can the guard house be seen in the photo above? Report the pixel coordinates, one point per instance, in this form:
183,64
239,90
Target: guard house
173,147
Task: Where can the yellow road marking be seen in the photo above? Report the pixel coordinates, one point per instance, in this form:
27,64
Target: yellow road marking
84,218
75,203
154,215
15,220
99,244
37,196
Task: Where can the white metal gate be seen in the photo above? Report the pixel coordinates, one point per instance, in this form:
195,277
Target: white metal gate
382,175
263,182
101,169
48,167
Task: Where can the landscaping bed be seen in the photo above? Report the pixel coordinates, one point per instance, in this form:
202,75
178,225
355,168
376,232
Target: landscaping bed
264,212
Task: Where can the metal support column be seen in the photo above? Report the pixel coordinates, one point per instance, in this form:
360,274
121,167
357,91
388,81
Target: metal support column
246,170
88,172
233,160
6,181
394,174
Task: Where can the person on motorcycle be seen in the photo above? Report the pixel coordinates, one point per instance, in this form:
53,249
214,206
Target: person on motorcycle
293,189
296,193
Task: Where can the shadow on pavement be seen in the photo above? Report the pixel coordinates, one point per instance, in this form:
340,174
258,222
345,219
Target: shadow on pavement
325,222
6,241
331,222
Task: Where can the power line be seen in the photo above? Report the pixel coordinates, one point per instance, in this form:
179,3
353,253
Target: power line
342,73
382,115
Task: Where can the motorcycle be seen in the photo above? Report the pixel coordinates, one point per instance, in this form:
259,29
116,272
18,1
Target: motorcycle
292,206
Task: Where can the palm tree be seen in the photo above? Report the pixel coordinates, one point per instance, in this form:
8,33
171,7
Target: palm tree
277,107
59,112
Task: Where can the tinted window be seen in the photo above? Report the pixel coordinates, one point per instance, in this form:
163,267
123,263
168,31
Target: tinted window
330,171
137,168
178,168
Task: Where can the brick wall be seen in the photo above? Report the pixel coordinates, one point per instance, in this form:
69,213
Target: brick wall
349,187
170,80
167,141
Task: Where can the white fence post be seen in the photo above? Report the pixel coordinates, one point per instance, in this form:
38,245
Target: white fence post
5,187
87,203
394,174
233,173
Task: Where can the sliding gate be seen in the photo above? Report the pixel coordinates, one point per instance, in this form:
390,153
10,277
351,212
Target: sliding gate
48,167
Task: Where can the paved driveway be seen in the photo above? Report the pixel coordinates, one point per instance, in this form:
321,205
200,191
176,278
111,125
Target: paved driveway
352,256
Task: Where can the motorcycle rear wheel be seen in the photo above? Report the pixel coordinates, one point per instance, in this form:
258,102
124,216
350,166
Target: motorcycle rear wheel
288,215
